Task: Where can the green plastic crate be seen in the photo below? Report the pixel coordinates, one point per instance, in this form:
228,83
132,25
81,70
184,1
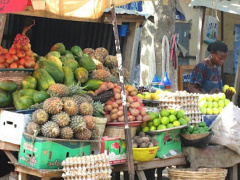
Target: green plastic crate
48,153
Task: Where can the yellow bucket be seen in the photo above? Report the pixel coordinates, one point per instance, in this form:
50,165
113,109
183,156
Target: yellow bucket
145,154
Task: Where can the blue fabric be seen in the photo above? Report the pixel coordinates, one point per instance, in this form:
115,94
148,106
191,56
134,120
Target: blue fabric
208,78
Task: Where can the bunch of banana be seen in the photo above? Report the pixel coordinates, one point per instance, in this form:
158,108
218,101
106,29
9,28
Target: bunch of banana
228,89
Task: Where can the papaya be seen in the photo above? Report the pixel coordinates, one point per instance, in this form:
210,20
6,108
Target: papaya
81,74
26,102
71,63
87,63
92,84
44,79
5,99
68,76
66,52
56,60
27,92
29,82
53,53
8,85
40,96
53,69
77,51
15,97
58,47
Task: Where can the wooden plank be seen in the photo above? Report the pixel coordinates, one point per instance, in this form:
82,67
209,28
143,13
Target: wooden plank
4,17
233,172
237,82
11,156
121,18
131,48
141,175
120,167
9,146
22,176
161,163
180,75
200,34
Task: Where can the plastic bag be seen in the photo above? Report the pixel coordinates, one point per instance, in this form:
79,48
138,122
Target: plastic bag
226,128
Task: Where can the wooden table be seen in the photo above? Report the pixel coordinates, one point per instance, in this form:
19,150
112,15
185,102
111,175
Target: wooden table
7,148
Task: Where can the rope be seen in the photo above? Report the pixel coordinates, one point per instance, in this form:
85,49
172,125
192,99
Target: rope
165,55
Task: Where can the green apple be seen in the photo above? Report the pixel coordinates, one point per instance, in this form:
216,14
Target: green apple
161,126
165,120
176,123
221,96
180,113
226,101
209,98
187,119
221,103
209,110
203,110
220,109
215,104
203,103
215,110
182,121
152,128
156,122
145,129
170,125
164,113
149,123
172,118
152,116
209,104
225,87
173,112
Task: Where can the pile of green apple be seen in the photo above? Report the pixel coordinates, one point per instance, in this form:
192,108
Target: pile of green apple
167,118
150,95
212,103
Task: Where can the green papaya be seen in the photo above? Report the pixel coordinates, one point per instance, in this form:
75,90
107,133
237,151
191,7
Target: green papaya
29,82
40,96
27,92
53,69
92,84
58,47
87,63
68,76
8,85
56,60
53,53
5,99
81,74
26,102
44,79
71,63
77,51
16,103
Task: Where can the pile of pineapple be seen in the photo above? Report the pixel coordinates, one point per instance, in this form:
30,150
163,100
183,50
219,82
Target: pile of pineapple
66,115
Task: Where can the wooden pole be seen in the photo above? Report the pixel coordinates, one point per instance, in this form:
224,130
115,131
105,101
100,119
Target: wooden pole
4,17
200,34
127,131
237,82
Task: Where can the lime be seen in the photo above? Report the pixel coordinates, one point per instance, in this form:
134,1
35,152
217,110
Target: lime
156,114
156,122
152,116
145,129
172,118
161,126
170,125
165,120
149,123
186,118
176,123
182,121
180,114
173,112
153,128
164,113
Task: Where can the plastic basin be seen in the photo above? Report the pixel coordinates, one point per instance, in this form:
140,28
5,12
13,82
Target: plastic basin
144,154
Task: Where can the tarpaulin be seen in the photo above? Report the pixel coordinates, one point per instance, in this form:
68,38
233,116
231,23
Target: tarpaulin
92,9
8,6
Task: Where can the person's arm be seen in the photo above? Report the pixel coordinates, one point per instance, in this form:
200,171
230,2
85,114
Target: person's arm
195,88
196,80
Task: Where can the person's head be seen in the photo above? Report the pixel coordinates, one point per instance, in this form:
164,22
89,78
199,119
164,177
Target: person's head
218,50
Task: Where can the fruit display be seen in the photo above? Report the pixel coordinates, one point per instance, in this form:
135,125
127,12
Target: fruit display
199,128
144,141
114,107
167,118
212,103
87,167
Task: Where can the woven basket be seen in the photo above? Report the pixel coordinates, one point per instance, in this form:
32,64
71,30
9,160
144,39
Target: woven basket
194,136
15,75
118,131
100,125
199,174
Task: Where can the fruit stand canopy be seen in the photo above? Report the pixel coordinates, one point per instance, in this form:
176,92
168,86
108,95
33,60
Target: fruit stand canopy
230,6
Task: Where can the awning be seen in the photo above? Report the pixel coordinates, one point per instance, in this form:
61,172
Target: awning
230,6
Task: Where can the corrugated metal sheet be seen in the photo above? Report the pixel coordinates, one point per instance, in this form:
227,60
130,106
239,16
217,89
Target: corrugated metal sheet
47,32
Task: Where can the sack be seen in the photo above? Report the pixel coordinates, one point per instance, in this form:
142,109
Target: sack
226,128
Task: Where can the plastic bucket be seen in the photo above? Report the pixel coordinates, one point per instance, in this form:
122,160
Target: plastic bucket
122,29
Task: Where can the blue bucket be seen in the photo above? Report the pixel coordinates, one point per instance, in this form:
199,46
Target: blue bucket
122,29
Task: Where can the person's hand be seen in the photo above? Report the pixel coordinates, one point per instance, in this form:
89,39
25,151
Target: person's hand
229,94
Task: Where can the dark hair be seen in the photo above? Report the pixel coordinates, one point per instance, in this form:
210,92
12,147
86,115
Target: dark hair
217,46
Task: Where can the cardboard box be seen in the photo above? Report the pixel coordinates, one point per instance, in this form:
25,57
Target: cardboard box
48,153
169,143
12,126
115,148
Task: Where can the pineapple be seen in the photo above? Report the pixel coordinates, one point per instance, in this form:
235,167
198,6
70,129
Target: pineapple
86,109
88,98
90,122
102,51
88,51
62,119
100,74
98,109
66,133
85,134
58,90
37,106
77,123
32,127
126,74
79,99
110,61
95,134
40,116
70,107
99,65
53,105
50,129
